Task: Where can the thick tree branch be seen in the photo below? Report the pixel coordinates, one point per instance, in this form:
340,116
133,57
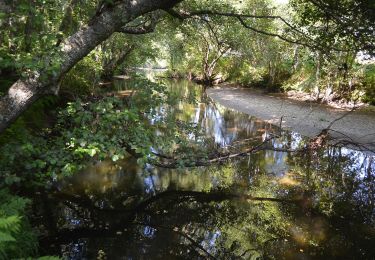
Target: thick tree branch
138,30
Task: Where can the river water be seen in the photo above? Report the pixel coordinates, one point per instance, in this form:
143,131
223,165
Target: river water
267,205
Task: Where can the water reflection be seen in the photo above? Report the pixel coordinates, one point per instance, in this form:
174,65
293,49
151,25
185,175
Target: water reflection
325,206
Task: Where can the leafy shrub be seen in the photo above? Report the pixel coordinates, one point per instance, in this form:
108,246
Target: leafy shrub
91,130
247,74
83,77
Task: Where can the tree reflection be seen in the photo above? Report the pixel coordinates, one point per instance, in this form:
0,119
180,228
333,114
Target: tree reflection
271,204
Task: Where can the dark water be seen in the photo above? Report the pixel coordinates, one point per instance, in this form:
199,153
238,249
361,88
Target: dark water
268,205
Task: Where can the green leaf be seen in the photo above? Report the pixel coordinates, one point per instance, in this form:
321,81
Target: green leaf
10,223
92,152
115,157
5,237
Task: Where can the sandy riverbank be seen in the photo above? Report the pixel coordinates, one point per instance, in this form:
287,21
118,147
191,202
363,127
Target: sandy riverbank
308,119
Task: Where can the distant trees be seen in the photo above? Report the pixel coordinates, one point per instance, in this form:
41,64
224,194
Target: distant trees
232,45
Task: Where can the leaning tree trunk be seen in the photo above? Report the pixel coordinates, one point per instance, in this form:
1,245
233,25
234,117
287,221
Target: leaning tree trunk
110,66
26,91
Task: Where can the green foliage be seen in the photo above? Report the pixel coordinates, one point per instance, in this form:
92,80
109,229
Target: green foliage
84,77
32,30
369,84
17,240
32,34
344,24
94,131
85,131
222,48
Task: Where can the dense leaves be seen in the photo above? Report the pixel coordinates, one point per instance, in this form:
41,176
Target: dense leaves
347,24
95,130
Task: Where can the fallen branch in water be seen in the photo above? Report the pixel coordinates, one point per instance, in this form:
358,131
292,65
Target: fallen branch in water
171,163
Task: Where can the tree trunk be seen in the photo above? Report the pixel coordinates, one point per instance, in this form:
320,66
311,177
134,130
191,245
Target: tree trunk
296,58
26,91
66,25
317,76
29,30
110,66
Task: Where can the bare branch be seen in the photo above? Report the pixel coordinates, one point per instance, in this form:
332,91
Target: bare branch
185,15
145,27
221,158
137,30
244,24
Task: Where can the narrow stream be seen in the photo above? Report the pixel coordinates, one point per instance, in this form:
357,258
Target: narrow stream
268,205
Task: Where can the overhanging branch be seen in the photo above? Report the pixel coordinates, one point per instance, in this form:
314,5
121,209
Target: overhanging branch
281,37
305,40
145,27
137,30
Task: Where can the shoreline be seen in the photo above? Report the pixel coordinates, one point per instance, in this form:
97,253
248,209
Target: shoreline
306,118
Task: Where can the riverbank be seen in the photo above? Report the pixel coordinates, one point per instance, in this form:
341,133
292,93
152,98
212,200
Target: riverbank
306,118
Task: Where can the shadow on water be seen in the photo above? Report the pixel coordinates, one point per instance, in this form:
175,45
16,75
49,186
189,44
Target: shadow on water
270,204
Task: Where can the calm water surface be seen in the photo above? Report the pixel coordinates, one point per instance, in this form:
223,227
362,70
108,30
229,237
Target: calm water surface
269,205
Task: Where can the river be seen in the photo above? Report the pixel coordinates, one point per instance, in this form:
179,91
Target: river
271,204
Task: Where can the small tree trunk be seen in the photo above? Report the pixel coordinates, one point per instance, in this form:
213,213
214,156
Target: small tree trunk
29,31
110,66
296,58
317,76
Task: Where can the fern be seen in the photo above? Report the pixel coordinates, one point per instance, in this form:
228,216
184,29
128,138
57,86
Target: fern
6,237
16,236
11,223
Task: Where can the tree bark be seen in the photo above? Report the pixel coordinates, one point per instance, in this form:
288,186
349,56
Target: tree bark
296,58
26,91
110,66
29,30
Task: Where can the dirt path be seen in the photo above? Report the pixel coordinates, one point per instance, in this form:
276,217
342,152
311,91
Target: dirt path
308,119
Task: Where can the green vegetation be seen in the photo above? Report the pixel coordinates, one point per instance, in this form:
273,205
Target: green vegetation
60,110
15,230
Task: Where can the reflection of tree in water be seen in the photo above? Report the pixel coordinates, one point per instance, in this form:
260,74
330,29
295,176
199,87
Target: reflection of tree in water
340,184
317,204
188,223
316,214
